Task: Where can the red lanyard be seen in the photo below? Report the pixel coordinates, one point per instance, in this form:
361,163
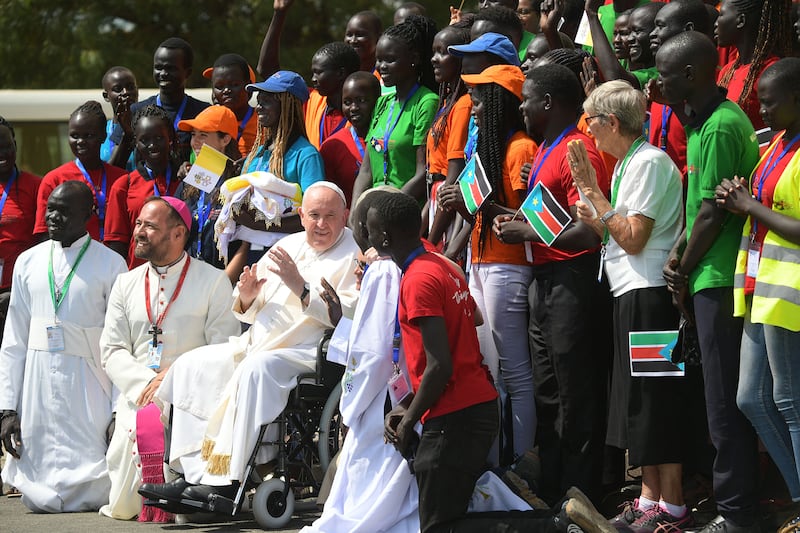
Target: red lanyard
175,294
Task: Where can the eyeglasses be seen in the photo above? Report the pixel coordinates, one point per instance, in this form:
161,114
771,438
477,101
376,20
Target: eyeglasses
600,115
524,11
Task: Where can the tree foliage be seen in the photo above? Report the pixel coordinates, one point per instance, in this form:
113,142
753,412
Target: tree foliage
69,44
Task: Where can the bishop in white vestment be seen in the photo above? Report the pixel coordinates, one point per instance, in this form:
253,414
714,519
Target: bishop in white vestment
199,315
58,387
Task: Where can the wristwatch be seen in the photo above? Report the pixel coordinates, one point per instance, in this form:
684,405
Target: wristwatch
605,218
306,291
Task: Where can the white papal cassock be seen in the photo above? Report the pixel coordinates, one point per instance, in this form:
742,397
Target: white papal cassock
199,316
218,403
64,397
373,490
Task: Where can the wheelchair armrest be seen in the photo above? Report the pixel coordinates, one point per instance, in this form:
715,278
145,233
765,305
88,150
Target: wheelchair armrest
322,351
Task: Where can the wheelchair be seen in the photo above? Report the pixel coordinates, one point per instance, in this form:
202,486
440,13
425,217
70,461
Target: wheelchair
309,432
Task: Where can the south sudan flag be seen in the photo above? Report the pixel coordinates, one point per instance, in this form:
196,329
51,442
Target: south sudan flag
651,353
474,185
545,214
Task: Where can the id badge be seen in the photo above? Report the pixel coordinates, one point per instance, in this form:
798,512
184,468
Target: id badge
753,257
55,338
154,355
399,387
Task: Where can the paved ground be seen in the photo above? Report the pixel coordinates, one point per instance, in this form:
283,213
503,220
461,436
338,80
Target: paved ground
15,518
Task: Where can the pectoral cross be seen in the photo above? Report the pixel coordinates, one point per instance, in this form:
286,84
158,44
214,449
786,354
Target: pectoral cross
155,331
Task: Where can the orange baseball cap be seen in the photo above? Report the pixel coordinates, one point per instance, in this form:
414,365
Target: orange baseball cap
509,77
231,60
213,118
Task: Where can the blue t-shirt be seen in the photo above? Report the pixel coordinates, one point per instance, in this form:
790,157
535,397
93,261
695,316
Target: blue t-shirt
301,163
107,148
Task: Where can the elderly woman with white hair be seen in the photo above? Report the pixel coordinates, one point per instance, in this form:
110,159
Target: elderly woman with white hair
638,226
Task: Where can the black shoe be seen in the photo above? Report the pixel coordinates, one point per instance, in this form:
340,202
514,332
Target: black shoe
721,525
166,491
203,493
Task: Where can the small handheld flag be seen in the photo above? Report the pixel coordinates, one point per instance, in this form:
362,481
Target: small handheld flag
547,217
207,169
474,184
651,354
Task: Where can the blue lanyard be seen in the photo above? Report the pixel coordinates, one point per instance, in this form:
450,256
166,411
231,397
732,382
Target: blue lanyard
542,158
322,125
100,193
389,130
472,139
7,188
665,116
767,169
203,211
396,339
245,120
179,114
359,146
167,178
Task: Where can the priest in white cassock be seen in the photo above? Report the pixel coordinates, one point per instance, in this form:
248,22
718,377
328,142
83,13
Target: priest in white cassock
56,400
156,312
373,489
252,376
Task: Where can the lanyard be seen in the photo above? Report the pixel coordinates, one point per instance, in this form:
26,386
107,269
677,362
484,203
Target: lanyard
179,114
58,299
396,339
7,188
472,139
245,120
100,193
359,146
537,166
622,166
322,125
160,320
389,130
767,169
203,211
167,178
665,116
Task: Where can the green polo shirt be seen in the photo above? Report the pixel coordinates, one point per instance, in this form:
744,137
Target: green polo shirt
722,146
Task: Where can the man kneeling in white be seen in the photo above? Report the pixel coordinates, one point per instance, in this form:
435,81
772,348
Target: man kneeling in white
221,395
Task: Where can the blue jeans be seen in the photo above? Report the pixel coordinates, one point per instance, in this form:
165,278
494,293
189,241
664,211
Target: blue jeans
769,394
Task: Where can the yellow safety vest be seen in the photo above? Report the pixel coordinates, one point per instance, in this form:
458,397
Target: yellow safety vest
776,296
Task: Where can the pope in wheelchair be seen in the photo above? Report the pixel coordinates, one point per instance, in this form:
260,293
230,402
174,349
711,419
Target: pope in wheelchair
220,396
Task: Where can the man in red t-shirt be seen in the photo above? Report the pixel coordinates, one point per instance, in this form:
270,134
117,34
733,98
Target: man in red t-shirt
570,322
17,212
451,391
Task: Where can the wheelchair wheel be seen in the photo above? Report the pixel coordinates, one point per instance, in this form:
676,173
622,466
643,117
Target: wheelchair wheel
271,509
330,428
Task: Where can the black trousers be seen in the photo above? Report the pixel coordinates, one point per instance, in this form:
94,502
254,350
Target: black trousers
735,471
571,345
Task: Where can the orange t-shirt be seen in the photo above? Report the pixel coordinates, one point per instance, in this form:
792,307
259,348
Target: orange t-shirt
520,149
248,137
317,113
454,136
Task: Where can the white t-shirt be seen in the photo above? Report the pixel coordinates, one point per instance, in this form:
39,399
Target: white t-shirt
651,187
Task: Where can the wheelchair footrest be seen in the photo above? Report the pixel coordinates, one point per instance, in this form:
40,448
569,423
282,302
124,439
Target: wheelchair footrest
221,505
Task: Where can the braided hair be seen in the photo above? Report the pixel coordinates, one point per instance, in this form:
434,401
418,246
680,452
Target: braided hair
417,33
450,91
93,109
501,119
773,36
291,124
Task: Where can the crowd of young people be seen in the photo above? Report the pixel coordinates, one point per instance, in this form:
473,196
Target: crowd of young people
632,127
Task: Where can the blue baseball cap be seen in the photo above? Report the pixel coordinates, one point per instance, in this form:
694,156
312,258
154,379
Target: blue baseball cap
281,82
494,43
